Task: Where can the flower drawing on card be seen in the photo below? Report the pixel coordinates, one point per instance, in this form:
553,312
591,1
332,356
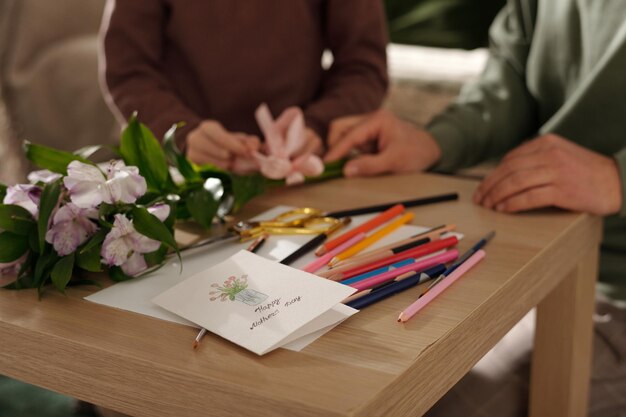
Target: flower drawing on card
236,289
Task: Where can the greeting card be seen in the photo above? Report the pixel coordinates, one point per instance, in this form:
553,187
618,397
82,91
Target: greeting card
254,302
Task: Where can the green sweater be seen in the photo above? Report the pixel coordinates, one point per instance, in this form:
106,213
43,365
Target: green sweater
555,66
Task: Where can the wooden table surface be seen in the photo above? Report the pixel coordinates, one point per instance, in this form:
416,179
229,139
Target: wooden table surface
368,366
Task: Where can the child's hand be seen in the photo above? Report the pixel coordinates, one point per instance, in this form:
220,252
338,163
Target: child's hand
312,144
211,143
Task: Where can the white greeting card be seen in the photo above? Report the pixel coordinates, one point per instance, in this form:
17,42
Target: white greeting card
254,302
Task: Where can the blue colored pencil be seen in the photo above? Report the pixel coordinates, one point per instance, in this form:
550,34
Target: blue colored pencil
378,271
395,287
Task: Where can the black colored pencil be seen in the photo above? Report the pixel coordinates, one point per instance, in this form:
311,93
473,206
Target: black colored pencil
382,207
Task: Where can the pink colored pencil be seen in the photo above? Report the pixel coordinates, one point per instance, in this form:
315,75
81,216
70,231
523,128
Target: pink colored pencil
454,276
324,259
417,266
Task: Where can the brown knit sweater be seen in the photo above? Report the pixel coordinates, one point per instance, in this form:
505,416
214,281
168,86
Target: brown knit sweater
182,60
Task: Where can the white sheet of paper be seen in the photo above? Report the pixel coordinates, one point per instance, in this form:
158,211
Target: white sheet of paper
252,301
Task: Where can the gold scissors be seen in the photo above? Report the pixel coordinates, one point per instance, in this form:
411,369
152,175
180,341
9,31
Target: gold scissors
299,221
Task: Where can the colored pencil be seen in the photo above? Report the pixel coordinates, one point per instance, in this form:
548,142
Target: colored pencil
323,260
481,243
421,302
403,282
395,248
196,342
314,243
417,252
365,227
447,256
374,237
378,271
259,241
382,207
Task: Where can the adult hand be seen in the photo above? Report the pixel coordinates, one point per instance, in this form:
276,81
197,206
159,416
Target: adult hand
211,143
552,171
392,145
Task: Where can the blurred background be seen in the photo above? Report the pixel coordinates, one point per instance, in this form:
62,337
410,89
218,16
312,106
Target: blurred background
441,23
49,93
49,90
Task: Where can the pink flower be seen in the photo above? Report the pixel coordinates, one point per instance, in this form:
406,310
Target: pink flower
124,246
24,195
283,138
71,227
88,186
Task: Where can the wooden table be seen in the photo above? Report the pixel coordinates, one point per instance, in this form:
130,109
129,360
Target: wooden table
368,366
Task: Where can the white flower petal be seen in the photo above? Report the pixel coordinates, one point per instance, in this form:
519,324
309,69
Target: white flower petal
44,176
126,185
294,178
84,172
296,133
144,244
273,167
24,195
273,138
116,251
134,265
309,164
65,237
84,194
161,211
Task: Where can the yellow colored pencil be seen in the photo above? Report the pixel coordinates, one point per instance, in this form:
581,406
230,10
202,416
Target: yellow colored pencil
375,237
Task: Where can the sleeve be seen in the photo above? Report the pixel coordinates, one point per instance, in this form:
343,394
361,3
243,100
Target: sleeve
620,158
357,81
132,42
496,112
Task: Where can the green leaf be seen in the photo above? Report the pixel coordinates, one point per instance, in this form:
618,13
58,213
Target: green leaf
202,206
176,158
47,203
89,258
33,242
12,246
117,275
50,158
140,148
150,226
157,257
245,188
105,210
95,240
62,272
43,266
16,219
3,191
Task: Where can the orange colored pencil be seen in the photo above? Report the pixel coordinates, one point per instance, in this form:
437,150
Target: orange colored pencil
374,237
364,228
390,250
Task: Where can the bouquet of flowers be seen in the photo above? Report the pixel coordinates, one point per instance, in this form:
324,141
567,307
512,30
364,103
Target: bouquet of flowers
77,217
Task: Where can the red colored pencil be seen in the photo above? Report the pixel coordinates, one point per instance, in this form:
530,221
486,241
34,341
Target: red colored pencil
417,252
